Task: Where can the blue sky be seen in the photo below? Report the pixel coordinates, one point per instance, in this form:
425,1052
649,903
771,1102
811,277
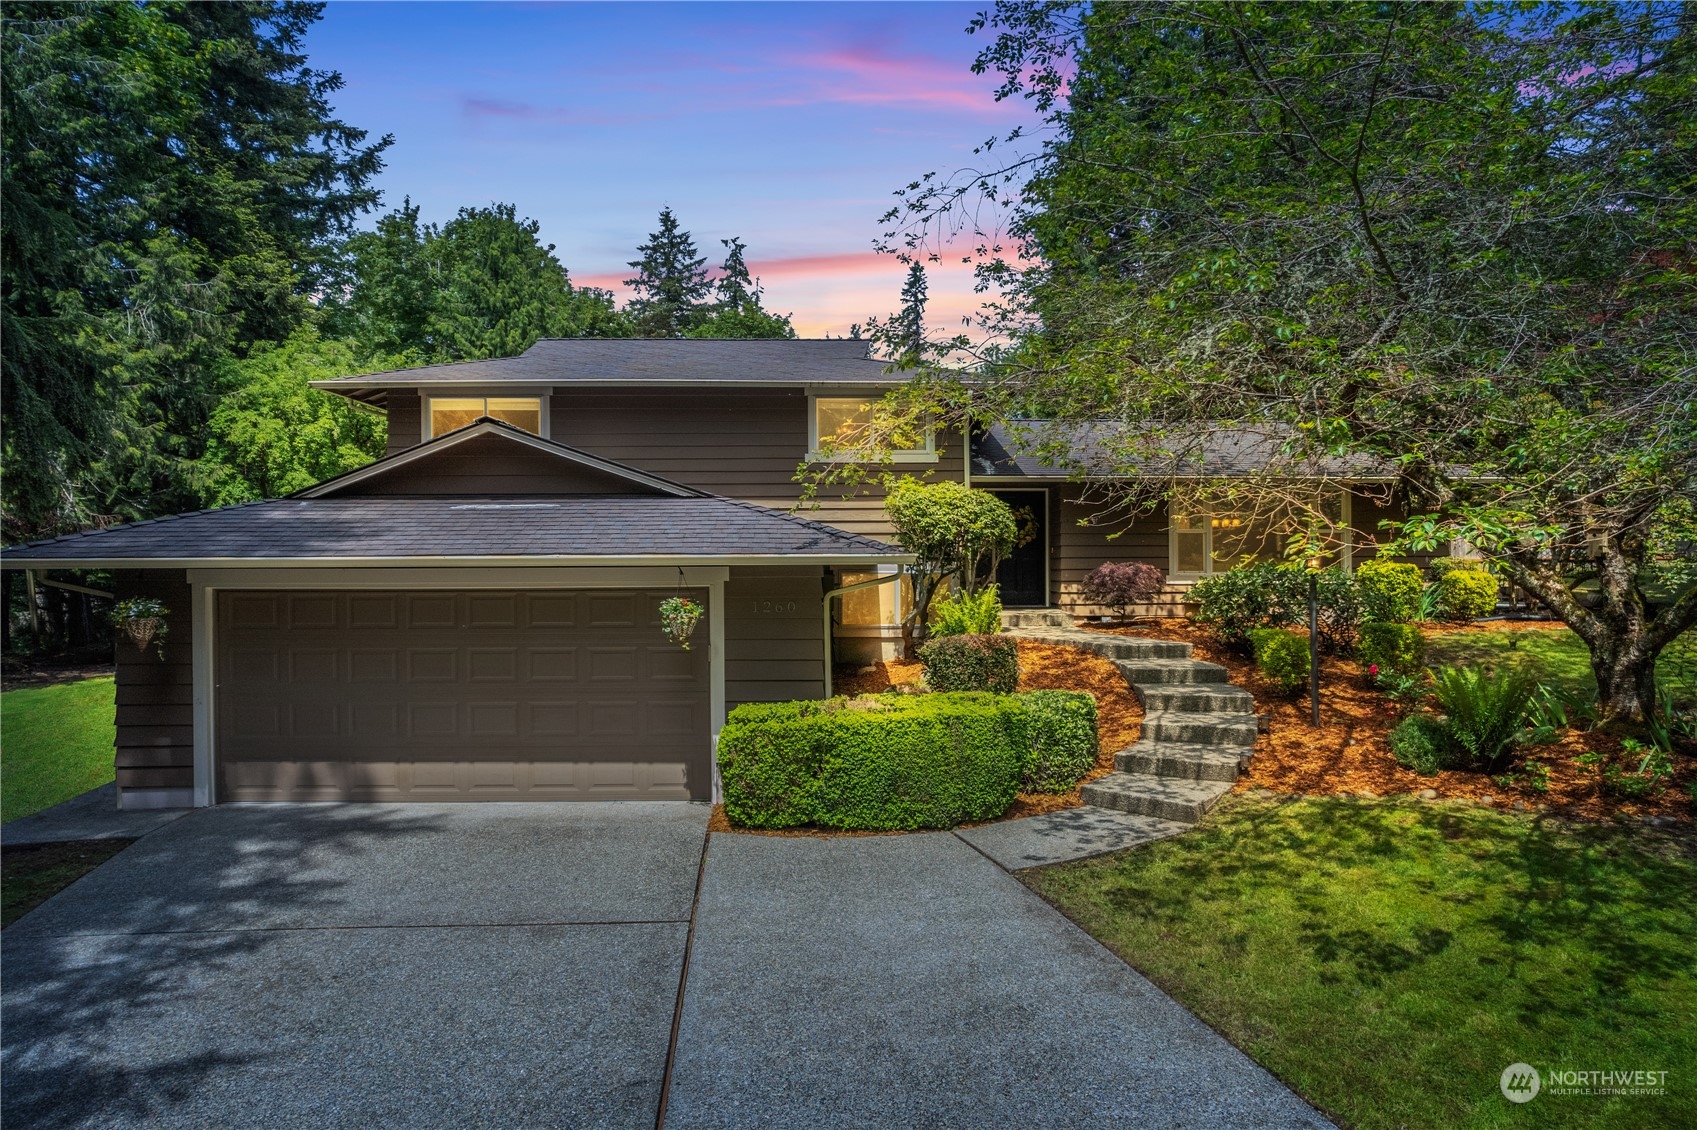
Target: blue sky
786,124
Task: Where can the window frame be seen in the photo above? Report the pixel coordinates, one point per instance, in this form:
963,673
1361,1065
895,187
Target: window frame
927,454
1346,550
427,433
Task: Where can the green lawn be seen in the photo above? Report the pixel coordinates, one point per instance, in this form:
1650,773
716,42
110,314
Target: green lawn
1388,959
1557,656
55,742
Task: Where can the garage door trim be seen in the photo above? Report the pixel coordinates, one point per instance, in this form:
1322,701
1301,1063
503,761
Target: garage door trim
207,583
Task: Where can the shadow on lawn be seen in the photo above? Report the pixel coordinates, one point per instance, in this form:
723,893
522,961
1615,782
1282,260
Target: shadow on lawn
1523,889
120,955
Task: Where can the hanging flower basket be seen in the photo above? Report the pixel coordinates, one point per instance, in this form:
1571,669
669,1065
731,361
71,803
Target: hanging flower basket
143,620
678,616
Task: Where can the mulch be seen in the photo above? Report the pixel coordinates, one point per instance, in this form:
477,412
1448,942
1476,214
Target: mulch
1348,755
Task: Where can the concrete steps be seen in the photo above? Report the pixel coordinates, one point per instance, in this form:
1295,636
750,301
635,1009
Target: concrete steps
1198,729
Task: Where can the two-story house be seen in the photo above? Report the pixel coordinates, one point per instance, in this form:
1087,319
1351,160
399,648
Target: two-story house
475,615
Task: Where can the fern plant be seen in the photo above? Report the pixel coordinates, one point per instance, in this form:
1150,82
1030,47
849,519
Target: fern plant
1486,712
966,614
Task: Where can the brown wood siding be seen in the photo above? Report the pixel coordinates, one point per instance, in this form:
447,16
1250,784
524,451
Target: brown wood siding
492,465
1080,548
406,419
774,634
155,697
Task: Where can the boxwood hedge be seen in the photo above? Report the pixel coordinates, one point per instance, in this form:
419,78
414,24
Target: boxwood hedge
896,762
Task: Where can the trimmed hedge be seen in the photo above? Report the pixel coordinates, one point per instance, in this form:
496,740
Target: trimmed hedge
1282,656
1390,589
1061,736
897,762
972,663
1393,647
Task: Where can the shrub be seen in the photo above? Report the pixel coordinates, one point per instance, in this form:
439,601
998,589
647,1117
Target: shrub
1264,595
972,663
1466,594
1341,610
1422,743
1061,739
1486,711
1392,647
1390,590
967,615
1282,656
886,763
1440,567
1120,585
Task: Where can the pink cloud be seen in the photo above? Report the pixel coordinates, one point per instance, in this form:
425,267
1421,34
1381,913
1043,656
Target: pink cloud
476,108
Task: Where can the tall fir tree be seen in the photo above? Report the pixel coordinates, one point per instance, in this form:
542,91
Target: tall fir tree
908,329
739,311
173,180
671,283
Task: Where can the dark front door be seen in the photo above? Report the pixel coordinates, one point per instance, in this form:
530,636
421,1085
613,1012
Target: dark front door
1023,574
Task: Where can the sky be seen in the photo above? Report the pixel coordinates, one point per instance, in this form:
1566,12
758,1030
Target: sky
788,125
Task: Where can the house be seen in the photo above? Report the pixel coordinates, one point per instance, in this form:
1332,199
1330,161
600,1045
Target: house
475,615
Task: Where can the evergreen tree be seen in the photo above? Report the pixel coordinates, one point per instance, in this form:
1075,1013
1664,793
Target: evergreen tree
739,312
908,329
173,179
671,283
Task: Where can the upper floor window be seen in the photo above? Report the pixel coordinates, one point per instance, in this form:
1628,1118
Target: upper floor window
841,430
450,412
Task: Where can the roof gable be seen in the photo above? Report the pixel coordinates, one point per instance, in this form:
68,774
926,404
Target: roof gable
489,458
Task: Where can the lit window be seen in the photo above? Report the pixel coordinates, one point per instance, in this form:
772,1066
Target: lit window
842,426
450,412
1227,537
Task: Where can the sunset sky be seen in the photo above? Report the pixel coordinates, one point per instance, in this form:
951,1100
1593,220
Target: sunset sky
788,125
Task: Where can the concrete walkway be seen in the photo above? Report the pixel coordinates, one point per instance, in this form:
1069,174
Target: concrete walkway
94,815
506,965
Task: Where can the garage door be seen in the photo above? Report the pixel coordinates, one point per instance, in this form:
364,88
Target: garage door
458,696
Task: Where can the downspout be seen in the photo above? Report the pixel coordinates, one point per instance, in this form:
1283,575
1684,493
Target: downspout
832,594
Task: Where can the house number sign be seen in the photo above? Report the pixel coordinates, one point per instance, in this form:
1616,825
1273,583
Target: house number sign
773,607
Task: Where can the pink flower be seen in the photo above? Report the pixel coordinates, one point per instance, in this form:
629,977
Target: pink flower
1373,669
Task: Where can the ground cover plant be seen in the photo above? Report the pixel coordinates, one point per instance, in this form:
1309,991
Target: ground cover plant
55,743
1388,959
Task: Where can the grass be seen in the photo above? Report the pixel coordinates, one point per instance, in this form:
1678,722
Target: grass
31,875
1388,959
1556,656
55,742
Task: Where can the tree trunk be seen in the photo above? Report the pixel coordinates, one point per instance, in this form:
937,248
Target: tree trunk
1626,676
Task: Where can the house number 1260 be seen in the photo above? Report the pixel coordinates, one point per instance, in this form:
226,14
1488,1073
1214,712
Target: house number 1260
773,607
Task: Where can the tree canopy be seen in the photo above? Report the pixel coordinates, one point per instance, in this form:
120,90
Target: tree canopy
172,176
671,282
1454,239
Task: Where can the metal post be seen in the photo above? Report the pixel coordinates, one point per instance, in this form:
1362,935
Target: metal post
34,608
1314,646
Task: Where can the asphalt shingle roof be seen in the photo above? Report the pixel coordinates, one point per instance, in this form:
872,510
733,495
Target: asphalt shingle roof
1047,449
689,361
511,527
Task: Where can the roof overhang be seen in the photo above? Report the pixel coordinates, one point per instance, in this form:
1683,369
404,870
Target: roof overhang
870,558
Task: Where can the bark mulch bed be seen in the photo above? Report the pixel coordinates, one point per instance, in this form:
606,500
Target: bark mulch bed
1349,754
1119,717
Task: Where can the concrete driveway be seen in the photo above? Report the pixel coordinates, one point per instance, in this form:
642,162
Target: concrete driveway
514,965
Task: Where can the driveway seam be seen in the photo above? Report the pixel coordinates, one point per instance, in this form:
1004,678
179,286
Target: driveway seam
683,983
375,926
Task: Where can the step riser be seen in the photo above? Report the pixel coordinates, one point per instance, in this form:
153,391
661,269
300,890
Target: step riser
1200,733
1188,769
1198,698
1185,812
1107,648
1041,618
1188,674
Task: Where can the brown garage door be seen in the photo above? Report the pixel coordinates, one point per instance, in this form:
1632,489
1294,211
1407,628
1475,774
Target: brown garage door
458,696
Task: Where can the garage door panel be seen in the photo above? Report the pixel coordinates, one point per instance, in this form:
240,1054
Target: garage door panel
457,696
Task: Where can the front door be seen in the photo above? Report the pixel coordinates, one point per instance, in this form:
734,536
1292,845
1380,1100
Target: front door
1023,575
